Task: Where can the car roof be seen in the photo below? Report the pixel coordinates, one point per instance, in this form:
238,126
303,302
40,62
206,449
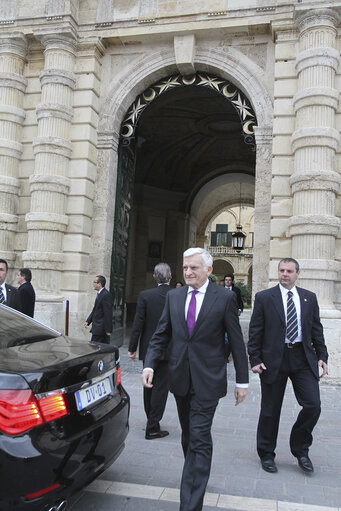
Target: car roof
17,328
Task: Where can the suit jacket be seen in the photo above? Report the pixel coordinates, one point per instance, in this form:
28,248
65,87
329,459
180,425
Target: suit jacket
149,308
199,359
268,329
237,291
13,299
27,298
101,314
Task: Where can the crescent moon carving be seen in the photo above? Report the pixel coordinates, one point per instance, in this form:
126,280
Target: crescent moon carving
129,132
149,97
228,94
246,127
189,81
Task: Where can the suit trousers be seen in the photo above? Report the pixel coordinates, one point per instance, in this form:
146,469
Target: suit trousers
104,338
306,388
196,417
155,399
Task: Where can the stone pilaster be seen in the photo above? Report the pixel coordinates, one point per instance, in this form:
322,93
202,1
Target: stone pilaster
314,183
13,48
49,184
261,253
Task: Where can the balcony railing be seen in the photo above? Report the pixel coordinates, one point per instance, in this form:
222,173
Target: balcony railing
229,251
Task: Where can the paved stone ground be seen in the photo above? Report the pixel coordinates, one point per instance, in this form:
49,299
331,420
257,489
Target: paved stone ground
157,464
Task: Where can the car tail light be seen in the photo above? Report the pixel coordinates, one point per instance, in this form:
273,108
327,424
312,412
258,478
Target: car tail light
118,376
21,411
39,493
53,407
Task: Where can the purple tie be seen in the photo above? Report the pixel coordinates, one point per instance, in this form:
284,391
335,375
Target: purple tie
191,312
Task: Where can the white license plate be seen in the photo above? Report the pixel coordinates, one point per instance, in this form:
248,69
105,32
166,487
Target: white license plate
93,393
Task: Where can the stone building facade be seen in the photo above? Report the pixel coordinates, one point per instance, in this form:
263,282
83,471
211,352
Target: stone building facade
125,125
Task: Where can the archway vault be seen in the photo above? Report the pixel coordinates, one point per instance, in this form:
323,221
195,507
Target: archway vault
227,89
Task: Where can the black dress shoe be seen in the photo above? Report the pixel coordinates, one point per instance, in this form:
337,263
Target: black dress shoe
156,434
305,464
268,465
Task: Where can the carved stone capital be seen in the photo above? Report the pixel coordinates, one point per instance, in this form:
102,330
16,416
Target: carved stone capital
15,43
64,38
312,18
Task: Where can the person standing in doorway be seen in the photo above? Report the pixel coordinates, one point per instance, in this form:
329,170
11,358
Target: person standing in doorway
101,314
286,341
26,292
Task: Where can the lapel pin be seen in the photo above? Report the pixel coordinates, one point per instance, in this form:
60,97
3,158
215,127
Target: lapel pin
305,300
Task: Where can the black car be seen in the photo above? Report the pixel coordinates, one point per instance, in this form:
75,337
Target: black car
63,413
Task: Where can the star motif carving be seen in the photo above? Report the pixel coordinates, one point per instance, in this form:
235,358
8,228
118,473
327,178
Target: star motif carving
136,109
167,84
210,82
242,107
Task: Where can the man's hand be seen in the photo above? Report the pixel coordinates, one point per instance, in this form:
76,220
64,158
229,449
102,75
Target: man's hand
85,324
239,394
324,368
132,354
147,378
258,368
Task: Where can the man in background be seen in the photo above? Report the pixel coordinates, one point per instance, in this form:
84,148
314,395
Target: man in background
26,292
8,294
149,308
229,284
101,314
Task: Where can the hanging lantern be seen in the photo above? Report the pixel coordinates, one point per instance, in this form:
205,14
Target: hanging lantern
238,239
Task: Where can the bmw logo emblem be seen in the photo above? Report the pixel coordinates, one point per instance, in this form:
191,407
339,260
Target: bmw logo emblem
100,366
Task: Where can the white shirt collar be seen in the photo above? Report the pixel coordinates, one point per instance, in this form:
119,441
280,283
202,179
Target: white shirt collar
201,289
284,290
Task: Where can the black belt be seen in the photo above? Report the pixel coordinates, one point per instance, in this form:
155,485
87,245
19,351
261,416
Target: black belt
291,345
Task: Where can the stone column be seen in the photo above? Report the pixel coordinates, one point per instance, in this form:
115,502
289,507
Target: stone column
13,49
49,184
261,252
314,226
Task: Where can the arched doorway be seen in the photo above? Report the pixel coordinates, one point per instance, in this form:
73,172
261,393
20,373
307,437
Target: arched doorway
193,132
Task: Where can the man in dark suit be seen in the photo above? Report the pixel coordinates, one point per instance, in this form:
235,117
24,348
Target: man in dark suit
8,294
26,291
149,308
101,314
192,327
286,340
229,284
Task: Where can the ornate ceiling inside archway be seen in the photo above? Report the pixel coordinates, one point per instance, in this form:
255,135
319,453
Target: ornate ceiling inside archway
186,135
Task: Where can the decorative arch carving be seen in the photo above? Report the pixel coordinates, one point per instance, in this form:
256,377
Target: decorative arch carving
228,90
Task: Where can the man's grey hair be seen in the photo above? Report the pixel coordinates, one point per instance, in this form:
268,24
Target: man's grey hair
162,273
206,257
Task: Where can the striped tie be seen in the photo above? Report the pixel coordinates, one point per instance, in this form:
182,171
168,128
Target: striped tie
2,298
292,327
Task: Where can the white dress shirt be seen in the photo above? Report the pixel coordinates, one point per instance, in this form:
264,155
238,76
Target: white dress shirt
296,300
3,287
